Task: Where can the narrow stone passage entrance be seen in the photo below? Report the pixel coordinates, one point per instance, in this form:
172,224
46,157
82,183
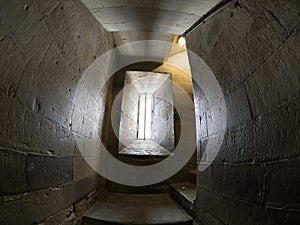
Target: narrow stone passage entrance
72,154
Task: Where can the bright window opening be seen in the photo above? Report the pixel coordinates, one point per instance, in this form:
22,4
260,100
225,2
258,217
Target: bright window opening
145,116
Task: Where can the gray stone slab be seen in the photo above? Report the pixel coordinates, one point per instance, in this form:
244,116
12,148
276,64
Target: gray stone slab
12,172
137,209
185,194
44,171
283,177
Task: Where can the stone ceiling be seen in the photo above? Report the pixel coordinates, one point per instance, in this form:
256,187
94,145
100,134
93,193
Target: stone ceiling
148,19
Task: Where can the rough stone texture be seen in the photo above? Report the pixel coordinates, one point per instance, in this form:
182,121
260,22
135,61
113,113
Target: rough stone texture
45,47
44,171
253,49
73,214
38,205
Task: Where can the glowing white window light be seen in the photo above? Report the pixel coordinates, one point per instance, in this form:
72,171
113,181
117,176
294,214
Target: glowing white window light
145,116
148,120
142,108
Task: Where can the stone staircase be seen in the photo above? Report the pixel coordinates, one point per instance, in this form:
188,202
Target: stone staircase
185,194
156,204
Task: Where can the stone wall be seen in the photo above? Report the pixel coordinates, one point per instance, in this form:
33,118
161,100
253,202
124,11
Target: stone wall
129,114
45,47
183,85
163,115
253,48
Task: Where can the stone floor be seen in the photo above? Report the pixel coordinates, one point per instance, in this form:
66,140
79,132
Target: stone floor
116,208
145,148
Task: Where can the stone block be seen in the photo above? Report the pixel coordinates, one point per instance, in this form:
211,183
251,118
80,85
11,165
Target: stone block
43,171
238,108
12,171
277,80
81,169
65,216
235,212
265,138
283,177
24,16
64,38
243,181
36,206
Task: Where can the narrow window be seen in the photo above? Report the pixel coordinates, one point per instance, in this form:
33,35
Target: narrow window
145,116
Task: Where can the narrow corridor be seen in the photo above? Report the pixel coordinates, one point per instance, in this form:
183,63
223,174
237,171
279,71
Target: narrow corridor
150,112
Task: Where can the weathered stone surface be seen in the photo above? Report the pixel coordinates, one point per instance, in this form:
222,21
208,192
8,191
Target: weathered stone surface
81,169
81,206
277,80
233,211
35,38
12,172
283,177
233,179
23,129
35,206
73,214
286,15
45,47
269,137
44,171
238,108
65,217
244,55
253,49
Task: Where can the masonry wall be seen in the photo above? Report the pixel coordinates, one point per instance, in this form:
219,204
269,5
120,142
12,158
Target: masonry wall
45,46
253,48
129,114
184,81
163,115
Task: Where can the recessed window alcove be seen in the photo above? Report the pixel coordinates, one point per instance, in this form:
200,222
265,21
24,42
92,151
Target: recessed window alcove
147,114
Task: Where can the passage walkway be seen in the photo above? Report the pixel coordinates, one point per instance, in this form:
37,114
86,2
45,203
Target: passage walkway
138,209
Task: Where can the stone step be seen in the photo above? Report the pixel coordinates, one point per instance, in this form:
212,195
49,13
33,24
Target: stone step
138,209
185,194
151,189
